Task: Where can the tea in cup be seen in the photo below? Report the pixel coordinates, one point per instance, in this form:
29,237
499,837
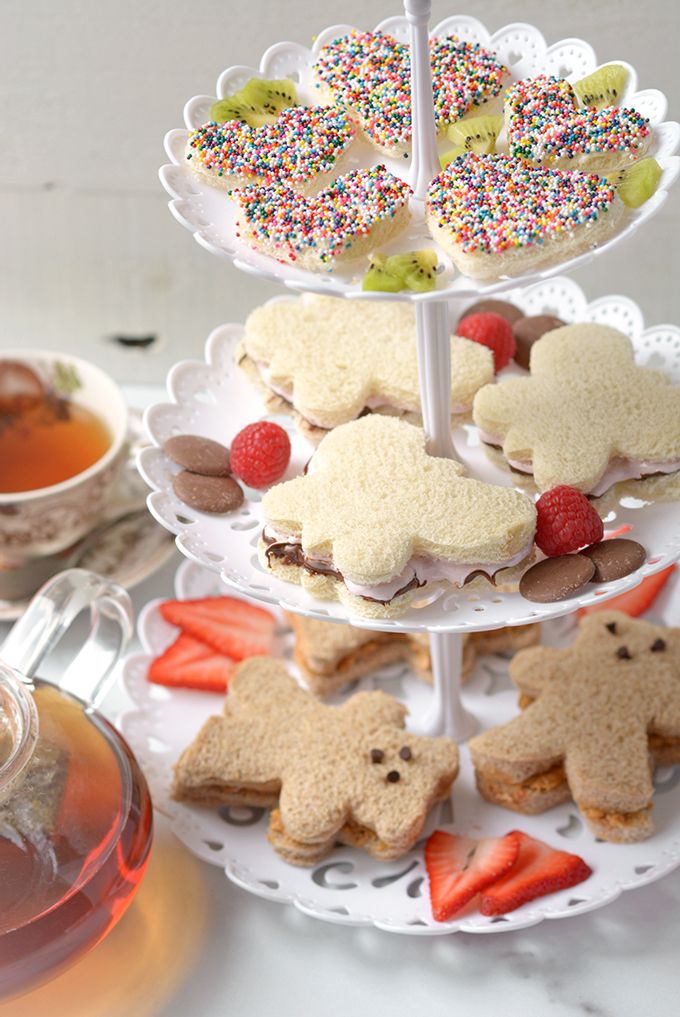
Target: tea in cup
63,431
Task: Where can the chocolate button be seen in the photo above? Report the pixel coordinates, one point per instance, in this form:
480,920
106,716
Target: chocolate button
614,559
198,455
556,578
529,330
502,307
207,494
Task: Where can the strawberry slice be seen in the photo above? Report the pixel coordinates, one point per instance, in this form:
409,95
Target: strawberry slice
638,600
227,625
539,870
190,664
459,867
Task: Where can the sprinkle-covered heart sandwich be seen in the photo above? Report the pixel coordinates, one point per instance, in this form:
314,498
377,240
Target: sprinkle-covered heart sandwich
368,74
598,716
329,361
376,519
360,211
303,148
545,125
498,215
587,416
345,774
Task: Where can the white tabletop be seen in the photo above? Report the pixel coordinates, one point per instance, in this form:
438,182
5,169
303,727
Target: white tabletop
191,944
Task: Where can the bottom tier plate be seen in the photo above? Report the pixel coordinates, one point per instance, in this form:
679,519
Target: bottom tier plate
349,887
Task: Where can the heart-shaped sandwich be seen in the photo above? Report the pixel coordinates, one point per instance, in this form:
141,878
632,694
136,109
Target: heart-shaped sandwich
369,75
497,215
359,211
375,519
545,125
302,148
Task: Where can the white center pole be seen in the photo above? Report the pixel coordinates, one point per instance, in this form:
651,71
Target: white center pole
447,715
433,330
425,164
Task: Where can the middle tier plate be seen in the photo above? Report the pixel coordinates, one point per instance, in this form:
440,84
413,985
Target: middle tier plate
213,399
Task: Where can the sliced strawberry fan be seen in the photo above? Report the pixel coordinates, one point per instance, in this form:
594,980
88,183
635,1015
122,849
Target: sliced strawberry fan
229,626
190,664
506,871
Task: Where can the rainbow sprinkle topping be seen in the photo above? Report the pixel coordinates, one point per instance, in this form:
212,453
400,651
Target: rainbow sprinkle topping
493,203
369,74
300,144
277,217
545,123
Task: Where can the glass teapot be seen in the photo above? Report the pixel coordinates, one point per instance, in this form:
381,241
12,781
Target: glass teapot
75,812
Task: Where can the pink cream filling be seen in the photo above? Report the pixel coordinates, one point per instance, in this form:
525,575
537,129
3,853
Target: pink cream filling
372,403
421,567
617,471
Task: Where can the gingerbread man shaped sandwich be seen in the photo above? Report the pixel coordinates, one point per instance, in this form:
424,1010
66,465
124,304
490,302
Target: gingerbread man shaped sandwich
601,713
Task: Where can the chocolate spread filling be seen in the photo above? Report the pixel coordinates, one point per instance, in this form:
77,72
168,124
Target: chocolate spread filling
292,554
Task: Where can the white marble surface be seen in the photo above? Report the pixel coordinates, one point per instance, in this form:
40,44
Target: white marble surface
223,952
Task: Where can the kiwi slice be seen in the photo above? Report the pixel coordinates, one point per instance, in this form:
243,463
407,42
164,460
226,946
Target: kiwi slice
602,88
412,270
258,102
635,184
472,134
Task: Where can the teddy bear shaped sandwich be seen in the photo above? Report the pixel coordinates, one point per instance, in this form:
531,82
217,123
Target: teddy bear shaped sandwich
598,716
328,361
330,656
375,519
587,416
345,774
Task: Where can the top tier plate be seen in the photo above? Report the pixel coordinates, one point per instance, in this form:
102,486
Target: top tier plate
210,215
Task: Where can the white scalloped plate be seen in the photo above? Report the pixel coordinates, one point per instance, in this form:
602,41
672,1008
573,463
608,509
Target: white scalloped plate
349,887
210,215
213,399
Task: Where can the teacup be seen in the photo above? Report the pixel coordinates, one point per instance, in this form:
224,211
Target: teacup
46,520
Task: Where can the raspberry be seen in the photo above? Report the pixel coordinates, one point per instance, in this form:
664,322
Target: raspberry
490,330
566,521
260,454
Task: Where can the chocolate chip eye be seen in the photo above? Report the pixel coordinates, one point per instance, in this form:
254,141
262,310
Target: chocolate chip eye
611,627
405,753
393,776
377,755
658,646
624,653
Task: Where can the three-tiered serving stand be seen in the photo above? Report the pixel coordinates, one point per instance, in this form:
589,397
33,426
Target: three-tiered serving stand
209,398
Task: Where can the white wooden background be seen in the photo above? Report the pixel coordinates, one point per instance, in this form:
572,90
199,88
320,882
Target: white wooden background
88,89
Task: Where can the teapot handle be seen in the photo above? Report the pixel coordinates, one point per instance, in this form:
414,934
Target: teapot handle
52,611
